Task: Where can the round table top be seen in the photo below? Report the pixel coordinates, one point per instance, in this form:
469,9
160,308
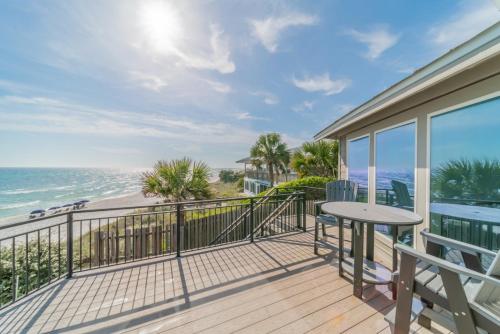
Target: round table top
372,214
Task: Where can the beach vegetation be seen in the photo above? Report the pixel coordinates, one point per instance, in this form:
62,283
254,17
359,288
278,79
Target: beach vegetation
230,176
177,180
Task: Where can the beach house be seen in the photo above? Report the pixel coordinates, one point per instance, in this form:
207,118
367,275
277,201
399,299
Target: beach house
431,143
257,178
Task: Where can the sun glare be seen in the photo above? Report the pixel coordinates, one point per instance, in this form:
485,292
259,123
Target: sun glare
161,25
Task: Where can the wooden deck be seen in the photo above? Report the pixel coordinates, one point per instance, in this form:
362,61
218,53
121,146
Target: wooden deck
274,285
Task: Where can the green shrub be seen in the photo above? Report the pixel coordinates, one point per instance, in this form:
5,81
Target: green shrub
308,181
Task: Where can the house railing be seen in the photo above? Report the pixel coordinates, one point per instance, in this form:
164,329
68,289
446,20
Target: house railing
264,175
37,252
481,233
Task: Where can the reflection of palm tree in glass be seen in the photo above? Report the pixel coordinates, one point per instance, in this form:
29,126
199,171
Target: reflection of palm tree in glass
467,180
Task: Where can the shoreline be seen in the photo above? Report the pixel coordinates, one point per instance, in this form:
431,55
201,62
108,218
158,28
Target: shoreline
129,199
121,200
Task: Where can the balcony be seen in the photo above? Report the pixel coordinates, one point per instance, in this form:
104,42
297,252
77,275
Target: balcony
264,175
273,284
243,265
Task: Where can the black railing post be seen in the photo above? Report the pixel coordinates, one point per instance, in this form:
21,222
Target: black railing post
251,219
298,203
178,230
304,209
69,244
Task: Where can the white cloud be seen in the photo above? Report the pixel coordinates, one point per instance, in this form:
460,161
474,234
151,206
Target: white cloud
268,31
148,81
268,98
304,106
321,83
248,116
219,57
219,86
472,18
377,40
48,115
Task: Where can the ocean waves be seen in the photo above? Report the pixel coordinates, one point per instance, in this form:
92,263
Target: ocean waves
25,189
18,205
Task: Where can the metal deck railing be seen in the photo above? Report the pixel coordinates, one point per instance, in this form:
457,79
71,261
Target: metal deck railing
37,252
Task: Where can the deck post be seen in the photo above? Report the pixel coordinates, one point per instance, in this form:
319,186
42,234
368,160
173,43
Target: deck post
298,201
69,244
251,219
304,209
178,230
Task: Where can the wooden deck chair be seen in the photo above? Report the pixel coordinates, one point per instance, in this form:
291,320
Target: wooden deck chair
403,197
459,298
341,190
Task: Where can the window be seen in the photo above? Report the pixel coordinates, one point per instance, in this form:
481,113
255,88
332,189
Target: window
357,165
395,172
465,174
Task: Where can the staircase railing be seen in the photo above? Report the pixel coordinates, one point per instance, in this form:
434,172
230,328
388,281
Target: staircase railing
241,219
275,217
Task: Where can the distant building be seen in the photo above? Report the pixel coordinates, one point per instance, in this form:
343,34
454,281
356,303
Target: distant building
257,179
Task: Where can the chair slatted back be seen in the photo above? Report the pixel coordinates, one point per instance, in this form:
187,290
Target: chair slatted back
341,190
402,193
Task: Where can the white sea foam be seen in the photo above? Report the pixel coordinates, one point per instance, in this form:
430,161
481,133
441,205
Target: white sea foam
18,205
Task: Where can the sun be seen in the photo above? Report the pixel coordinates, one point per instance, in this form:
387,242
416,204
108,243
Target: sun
161,25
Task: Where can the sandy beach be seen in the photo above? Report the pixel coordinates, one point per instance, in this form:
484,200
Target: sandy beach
135,199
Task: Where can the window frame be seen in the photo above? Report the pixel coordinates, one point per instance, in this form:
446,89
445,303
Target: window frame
449,109
348,143
394,126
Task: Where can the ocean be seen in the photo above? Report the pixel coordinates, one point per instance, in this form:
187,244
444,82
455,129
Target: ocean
23,190
384,178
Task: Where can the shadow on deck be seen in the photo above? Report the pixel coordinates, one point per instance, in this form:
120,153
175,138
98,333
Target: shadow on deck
273,285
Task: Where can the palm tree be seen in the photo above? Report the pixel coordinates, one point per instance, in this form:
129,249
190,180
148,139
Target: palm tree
316,159
465,179
177,180
270,151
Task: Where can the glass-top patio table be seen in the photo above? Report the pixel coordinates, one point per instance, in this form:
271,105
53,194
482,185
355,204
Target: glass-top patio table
367,270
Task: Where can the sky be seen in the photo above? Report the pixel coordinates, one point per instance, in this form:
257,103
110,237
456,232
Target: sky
468,133
126,83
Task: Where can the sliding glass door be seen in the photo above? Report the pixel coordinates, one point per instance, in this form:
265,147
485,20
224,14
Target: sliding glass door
358,153
395,172
465,174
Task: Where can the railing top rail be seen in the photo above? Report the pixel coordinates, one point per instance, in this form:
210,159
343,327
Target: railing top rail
80,211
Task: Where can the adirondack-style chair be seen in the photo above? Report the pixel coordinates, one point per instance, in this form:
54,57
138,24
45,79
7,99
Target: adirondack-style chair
342,190
402,195
469,297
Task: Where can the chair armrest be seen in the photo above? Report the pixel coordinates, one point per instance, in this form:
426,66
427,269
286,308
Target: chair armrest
443,264
317,206
455,244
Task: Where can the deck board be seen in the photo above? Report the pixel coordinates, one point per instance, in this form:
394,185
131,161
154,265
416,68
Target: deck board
273,285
